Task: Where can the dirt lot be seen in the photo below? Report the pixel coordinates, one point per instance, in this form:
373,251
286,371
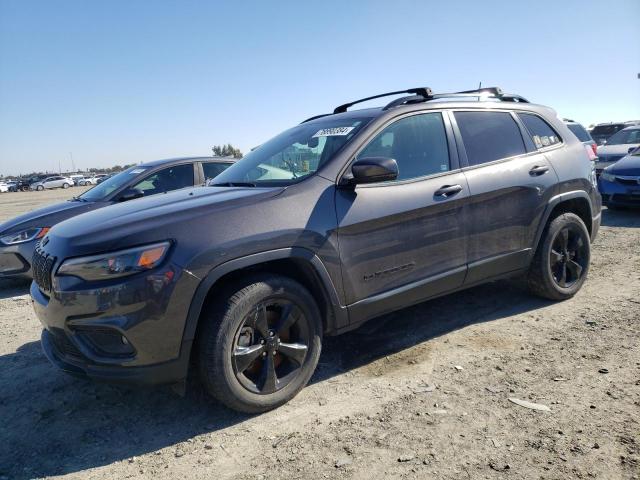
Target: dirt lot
422,393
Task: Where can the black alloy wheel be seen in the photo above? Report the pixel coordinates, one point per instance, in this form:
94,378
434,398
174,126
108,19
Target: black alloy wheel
271,346
568,257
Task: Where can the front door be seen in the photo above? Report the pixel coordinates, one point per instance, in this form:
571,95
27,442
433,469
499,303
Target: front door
403,241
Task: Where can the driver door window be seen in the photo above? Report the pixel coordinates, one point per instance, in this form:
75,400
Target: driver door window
166,180
417,143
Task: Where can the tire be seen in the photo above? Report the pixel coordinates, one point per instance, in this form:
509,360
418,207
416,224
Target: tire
65,185
39,188
236,351
561,262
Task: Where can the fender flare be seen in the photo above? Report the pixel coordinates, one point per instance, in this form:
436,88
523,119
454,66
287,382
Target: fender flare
555,201
337,315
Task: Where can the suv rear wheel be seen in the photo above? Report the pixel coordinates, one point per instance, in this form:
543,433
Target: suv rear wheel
260,344
561,262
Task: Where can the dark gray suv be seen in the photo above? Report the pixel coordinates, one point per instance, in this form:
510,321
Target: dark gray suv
342,218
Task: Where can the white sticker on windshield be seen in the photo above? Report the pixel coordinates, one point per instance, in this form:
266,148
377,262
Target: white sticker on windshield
136,171
333,132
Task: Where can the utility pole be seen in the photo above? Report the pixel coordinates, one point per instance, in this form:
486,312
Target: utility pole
73,165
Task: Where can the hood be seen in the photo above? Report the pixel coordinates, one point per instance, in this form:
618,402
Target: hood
629,165
49,215
615,149
154,218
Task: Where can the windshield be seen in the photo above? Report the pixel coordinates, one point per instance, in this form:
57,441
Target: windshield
293,155
110,185
625,137
607,129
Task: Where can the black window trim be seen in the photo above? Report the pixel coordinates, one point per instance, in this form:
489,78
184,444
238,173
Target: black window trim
462,152
454,161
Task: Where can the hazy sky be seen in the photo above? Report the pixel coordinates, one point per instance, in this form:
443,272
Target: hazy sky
117,82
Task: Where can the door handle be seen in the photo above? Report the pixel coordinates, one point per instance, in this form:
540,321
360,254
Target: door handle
448,191
538,170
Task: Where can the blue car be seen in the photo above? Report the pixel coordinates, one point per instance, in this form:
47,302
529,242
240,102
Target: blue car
619,183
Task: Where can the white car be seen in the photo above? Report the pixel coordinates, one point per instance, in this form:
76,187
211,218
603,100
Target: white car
617,146
4,187
92,180
52,182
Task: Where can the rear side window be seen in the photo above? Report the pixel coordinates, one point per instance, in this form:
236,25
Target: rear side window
541,132
418,143
579,131
489,136
213,169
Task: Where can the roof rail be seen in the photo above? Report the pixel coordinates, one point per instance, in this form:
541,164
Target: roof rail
424,92
314,117
491,92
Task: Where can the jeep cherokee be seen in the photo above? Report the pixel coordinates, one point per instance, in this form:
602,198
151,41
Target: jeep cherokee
344,217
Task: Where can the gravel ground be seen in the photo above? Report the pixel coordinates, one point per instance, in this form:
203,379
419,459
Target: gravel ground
422,393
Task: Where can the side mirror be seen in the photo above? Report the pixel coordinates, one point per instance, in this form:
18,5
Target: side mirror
373,170
130,194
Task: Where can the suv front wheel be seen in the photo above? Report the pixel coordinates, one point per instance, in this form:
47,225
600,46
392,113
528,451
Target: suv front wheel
561,262
260,343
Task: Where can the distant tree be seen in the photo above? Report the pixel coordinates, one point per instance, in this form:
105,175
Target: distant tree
227,150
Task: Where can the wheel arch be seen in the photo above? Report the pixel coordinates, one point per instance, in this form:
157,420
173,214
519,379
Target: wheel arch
577,202
297,263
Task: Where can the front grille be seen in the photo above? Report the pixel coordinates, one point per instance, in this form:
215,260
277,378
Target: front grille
62,343
42,267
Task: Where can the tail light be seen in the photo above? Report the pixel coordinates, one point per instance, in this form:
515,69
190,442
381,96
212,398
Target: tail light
594,147
591,153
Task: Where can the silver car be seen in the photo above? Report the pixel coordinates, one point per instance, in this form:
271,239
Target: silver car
618,146
52,182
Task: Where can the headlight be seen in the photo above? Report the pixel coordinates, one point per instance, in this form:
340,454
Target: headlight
116,264
609,177
24,235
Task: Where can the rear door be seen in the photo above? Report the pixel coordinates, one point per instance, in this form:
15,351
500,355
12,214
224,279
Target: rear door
510,181
403,241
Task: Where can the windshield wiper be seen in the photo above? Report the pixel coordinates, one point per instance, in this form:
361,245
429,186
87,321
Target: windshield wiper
233,184
78,199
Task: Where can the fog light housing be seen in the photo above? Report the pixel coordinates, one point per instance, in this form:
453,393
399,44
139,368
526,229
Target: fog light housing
106,341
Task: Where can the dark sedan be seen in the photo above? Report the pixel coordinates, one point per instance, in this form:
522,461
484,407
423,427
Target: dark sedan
19,235
619,184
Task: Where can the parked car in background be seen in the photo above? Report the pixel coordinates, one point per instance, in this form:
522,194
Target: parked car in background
361,213
92,180
19,235
102,179
76,179
619,183
603,131
617,146
52,182
4,187
582,134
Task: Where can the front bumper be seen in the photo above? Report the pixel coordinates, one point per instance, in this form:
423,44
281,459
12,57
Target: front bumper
616,194
129,331
15,260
